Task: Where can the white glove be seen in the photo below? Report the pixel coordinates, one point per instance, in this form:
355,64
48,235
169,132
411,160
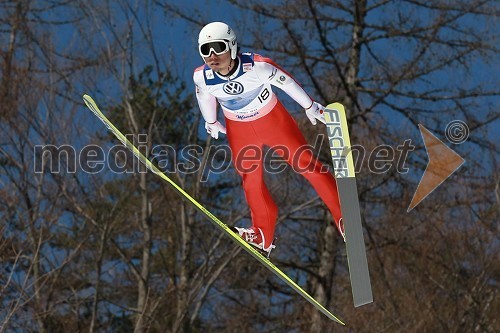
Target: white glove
314,112
214,128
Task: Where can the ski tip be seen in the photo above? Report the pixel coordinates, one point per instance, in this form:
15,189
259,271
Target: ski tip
87,98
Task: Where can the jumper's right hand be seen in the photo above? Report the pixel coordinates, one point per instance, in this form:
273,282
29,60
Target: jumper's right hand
214,128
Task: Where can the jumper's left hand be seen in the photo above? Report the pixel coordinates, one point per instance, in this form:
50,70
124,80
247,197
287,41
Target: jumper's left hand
316,112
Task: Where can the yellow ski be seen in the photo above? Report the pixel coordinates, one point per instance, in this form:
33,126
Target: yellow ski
212,218
340,148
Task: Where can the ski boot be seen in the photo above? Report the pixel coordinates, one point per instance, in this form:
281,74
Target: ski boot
255,237
340,228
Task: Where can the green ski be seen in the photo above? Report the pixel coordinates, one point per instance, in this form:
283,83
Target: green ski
212,218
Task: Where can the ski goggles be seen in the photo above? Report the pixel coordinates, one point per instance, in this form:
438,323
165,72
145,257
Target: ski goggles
217,46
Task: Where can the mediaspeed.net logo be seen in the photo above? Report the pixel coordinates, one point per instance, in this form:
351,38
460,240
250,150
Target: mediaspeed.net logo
443,161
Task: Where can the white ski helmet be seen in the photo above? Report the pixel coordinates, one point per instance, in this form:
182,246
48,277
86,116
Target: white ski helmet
218,31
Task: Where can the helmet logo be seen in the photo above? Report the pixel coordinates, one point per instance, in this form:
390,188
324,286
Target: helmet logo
233,88
228,30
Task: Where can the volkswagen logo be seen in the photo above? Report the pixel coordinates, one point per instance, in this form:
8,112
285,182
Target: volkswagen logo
233,88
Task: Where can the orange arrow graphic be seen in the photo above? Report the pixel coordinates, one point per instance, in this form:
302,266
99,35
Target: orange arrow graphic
443,162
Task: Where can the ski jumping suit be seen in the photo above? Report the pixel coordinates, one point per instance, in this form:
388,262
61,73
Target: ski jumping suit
255,118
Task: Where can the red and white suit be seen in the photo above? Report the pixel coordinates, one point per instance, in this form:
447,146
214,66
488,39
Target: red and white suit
256,118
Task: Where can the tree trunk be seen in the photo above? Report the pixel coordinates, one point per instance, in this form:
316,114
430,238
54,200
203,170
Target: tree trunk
355,58
327,251
323,286
143,288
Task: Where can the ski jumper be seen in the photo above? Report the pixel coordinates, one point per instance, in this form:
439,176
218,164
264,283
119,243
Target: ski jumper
256,118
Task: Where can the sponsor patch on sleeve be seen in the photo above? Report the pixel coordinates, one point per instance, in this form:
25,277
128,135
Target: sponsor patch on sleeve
281,79
247,67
